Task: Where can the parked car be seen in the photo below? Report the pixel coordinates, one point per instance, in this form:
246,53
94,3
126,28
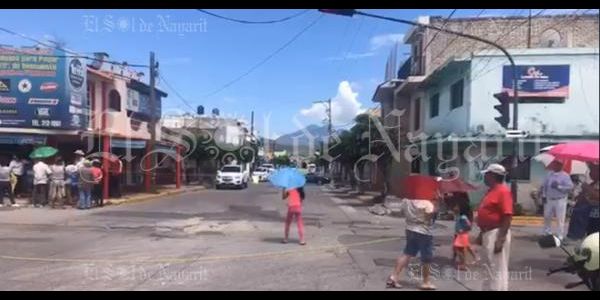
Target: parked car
232,176
316,178
270,167
262,173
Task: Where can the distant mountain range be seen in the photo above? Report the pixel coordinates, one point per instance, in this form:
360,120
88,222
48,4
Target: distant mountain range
302,138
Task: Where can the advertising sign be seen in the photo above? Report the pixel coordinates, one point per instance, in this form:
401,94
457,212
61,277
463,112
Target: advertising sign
538,81
39,87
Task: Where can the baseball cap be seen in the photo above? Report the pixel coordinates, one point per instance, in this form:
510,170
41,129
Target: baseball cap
496,169
79,152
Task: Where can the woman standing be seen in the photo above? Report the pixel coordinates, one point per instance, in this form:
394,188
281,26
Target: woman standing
295,198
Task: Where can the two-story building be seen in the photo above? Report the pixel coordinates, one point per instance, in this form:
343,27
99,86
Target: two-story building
447,88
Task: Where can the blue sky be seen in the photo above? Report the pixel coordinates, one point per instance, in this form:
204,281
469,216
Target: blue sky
338,57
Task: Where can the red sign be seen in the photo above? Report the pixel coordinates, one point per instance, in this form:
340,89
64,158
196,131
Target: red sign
49,87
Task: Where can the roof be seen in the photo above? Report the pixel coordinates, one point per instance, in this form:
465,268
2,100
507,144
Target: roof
144,88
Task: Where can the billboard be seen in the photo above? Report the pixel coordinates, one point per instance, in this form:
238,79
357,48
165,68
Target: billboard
42,88
551,81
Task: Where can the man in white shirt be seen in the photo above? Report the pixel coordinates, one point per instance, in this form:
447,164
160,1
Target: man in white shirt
17,168
41,172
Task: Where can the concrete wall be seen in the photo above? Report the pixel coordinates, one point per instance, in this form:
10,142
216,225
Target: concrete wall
577,115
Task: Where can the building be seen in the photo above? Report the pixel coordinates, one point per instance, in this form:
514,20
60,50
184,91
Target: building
446,92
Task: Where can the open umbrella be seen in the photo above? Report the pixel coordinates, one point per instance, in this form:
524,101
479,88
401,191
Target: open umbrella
287,178
570,166
582,151
420,187
455,185
43,152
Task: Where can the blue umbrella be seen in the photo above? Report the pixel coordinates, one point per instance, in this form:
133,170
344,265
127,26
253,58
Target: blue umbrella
287,178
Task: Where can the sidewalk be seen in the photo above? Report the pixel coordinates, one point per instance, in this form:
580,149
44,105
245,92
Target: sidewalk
27,215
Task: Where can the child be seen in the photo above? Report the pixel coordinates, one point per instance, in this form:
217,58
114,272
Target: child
295,198
461,243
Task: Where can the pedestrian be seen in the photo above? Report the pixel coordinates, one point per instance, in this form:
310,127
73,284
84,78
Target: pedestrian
71,183
591,192
461,244
555,190
494,217
116,169
79,159
97,188
86,183
295,197
41,173
57,183
5,173
17,168
419,215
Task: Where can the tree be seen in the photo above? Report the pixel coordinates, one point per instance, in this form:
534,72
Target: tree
282,160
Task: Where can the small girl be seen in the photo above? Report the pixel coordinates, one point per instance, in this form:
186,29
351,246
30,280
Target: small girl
295,197
461,242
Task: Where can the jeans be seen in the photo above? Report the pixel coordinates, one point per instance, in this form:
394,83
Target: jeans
85,198
419,243
5,188
579,220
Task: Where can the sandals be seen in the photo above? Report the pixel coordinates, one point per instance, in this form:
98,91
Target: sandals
303,243
392,283
284,241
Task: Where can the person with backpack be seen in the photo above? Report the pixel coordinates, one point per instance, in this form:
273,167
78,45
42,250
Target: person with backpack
295,197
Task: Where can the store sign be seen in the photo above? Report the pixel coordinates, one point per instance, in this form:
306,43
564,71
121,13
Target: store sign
42,84
550,81
22,139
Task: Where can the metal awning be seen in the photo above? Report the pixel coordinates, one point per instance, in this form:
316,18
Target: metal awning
385,91
125,143
22,139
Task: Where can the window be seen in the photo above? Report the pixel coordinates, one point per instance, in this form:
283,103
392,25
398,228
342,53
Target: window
114,100
231,169
415,165
456,95
431,167
434,105
523,170
417,116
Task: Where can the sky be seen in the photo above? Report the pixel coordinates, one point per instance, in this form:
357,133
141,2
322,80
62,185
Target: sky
201,56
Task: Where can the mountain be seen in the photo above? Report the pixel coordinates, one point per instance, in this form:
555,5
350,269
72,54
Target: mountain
302,138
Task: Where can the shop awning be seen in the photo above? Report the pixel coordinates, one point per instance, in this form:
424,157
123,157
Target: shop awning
19,139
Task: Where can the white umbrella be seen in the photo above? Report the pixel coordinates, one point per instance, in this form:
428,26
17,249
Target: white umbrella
577,167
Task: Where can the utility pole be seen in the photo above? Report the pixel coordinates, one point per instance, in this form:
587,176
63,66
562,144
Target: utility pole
252,124
151,126
329,130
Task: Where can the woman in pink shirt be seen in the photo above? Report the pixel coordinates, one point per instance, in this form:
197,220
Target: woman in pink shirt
294,197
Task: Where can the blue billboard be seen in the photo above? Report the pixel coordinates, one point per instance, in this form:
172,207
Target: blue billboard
42,88
538,81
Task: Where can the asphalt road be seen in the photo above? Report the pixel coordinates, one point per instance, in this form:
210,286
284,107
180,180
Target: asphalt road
230,240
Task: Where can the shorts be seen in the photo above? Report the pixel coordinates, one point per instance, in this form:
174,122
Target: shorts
462,240
419,243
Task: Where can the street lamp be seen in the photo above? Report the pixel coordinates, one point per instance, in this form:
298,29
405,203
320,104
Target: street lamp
352,12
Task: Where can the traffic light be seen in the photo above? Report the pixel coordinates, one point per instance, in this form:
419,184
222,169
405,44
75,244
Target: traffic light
502,108
341,12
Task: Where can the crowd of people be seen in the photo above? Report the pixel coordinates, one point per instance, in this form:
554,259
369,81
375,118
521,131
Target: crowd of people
54,183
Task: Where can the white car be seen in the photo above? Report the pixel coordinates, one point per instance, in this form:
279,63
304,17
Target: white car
232,176
262,173
269,167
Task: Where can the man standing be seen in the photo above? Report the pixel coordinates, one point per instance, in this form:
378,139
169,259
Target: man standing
555,190
17,168
493,218
5,172
41,171
57,183
116,169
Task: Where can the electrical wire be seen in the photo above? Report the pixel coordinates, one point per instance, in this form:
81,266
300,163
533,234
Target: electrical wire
183,100
438,32
254,22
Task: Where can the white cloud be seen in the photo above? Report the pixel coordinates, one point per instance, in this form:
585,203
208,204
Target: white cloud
345,106
385,40
350,55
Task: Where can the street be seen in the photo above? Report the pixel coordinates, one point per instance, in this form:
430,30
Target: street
231,240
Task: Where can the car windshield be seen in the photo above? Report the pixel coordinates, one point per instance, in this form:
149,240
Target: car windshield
231,169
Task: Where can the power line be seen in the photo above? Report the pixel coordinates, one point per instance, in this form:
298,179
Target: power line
75,54
266,59
438,32
254,22
456,37
183,100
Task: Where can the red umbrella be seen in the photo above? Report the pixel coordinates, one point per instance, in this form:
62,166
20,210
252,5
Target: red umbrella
455,186
582,151
420,187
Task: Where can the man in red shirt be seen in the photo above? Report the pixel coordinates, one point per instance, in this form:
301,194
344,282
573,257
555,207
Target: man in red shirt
493,218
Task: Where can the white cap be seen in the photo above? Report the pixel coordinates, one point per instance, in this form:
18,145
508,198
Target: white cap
79,152
496,169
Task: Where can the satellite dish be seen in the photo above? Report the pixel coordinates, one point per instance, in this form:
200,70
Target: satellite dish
550,39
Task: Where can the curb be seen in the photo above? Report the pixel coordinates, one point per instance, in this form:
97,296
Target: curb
152,196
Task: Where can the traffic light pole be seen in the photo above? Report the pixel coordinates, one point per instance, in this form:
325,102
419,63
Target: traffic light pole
515,148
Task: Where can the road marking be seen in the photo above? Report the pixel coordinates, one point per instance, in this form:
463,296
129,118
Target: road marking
203,259
345,208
